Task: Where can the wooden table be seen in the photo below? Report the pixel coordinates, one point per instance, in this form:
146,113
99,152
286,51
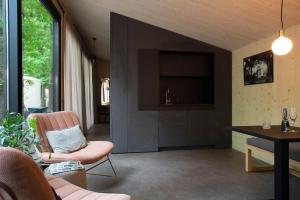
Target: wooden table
281,153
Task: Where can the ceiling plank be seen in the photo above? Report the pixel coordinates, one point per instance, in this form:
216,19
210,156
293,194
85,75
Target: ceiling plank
228,24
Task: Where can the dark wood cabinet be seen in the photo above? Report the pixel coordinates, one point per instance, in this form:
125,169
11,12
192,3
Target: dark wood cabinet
172,128
185,128
148,79
201,128
145,61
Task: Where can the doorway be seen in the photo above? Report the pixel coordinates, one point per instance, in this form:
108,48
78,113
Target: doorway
102,100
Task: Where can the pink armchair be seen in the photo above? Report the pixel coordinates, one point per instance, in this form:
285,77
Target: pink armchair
20,178
92,153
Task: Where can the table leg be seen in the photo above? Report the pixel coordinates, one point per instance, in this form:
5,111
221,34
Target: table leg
281,170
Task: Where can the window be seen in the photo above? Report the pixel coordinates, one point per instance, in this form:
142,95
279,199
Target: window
2,61
39,44
40,58
105,91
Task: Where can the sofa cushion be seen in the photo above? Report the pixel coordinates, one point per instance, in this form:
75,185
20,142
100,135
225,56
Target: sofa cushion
66,140
93,152
295,151
67,191
53,121
57,197
269,146
261,143
22,175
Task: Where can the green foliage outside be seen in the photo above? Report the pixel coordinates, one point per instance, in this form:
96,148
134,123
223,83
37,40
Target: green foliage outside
37,42
37,28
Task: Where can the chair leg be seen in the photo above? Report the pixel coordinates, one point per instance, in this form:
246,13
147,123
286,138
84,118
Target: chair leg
96,165
111,165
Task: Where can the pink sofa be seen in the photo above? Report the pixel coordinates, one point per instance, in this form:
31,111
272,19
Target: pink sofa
93,152
20,178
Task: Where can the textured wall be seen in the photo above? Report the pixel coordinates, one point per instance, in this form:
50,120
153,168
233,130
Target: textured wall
255,103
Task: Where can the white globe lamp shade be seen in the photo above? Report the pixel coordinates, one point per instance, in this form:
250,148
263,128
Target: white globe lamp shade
282,45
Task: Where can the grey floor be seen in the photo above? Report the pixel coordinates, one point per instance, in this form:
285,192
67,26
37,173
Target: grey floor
207,174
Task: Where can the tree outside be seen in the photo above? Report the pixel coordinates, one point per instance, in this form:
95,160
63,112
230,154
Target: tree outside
37,33
37,42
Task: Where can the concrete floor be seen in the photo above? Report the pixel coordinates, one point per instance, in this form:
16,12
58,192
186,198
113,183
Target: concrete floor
207,174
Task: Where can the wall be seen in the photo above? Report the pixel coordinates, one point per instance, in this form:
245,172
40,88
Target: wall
101,70
256,103
133,130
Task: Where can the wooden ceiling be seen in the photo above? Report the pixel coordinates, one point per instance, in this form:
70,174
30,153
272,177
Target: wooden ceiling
229,24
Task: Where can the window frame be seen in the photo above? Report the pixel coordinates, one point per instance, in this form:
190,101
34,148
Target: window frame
56,75
14,56
5,48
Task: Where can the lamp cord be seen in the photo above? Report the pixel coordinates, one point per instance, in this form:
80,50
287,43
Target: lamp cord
281,14
94,46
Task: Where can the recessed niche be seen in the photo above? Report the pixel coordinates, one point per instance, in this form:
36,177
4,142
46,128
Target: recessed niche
186,78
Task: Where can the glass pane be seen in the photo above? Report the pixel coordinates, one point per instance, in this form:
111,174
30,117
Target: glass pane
2,68
37,38
105,91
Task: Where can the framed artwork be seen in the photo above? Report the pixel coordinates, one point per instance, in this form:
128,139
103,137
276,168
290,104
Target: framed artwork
258,68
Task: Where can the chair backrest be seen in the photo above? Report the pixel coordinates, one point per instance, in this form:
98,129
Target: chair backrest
6,193
21,178
53,121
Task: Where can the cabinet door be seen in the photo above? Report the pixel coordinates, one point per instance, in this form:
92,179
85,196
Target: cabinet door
201,127
148,79
172,129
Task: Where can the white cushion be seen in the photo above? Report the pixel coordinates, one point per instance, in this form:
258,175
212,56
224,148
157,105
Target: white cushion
66,140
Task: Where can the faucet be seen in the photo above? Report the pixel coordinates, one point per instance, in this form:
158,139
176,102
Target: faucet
168,98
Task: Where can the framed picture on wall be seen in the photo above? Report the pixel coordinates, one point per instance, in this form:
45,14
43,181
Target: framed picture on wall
258,68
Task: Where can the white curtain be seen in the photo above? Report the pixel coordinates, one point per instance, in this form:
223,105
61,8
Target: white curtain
72,73
88,89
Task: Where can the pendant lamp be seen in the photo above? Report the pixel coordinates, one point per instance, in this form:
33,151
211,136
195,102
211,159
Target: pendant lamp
282,45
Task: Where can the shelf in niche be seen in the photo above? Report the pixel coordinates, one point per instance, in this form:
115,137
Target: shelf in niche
175,63
189,76
186,106
182,76
186,90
